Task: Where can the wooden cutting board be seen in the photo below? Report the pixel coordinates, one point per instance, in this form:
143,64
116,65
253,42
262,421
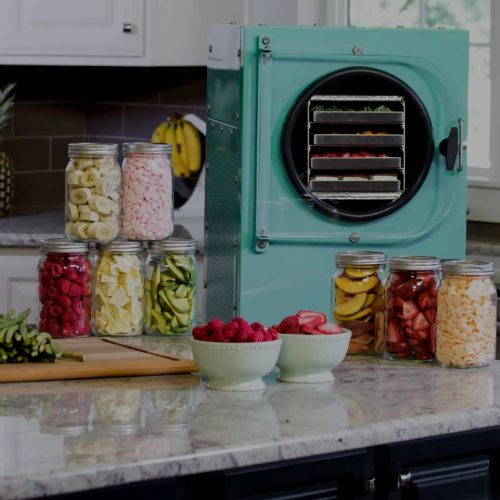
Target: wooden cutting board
103,359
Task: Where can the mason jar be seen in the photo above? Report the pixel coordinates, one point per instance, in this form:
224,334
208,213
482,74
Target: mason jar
171,287
93,192
118,411
64,288
358,299
466,315
119,289
147,206
411,301
68,414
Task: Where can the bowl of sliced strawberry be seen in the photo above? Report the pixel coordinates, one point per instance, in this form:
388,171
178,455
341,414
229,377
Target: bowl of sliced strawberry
234,356
311,347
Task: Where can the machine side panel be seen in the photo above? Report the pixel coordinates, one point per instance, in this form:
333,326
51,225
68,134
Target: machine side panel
222,220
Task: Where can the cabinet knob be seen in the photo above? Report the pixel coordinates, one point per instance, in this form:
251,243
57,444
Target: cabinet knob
404,480
128,27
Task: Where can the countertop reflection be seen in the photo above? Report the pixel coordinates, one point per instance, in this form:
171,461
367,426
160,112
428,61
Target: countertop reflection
77,435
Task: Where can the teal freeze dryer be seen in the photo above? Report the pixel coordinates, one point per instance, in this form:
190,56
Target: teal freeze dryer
323,139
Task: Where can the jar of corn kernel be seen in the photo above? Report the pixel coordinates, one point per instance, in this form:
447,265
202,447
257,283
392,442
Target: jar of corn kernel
466,315
147,202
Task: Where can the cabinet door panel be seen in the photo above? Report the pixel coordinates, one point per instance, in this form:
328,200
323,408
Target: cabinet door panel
327,477
466,478
21,294
71,27
18,284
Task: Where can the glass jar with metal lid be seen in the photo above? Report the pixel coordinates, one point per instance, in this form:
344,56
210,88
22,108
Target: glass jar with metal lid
147,206
119,289
69,414
466,314
411,300
93,192
171,287
64,288
118,411
358,291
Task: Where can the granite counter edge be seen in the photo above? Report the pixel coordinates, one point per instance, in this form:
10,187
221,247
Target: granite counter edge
396,431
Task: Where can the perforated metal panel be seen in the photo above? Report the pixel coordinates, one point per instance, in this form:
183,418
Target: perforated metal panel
222,220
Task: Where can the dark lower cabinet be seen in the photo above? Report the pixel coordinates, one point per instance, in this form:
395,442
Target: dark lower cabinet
329,477
453,467
467,478
457,466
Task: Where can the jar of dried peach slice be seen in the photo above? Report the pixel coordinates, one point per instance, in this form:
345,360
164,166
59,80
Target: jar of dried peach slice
466,314
358,299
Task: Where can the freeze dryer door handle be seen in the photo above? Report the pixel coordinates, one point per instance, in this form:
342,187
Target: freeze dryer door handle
450,148
462,146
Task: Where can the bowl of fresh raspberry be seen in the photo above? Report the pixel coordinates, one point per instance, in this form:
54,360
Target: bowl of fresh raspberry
234,356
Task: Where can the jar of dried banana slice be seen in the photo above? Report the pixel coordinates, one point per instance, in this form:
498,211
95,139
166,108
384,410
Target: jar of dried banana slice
93,192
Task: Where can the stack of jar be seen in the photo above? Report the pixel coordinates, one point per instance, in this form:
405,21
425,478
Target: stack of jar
432,310
111,212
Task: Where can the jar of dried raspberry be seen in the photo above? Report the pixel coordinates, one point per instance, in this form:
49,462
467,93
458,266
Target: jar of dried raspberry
411,300
147,203
64,288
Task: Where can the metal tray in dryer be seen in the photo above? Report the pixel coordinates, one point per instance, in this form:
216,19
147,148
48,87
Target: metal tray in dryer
358,117
346,164
371,140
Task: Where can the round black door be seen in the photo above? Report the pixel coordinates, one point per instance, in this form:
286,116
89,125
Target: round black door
358,144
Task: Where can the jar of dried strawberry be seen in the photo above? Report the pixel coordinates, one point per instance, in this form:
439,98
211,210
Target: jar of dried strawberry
411,300
466,315
358,299
64,288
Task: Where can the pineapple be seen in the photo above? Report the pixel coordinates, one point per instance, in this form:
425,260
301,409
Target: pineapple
6,168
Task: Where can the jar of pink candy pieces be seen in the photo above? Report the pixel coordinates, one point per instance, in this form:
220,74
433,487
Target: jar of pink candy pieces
147,194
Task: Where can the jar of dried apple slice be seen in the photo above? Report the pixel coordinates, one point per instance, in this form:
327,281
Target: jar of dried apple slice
358,299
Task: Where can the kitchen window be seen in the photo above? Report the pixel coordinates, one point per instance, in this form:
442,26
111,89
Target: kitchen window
480,17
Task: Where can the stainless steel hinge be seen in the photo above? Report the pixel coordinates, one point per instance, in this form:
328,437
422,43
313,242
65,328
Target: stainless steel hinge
265,46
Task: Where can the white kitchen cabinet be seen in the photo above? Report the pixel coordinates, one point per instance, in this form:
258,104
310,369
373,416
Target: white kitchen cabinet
72,27
135,32
111,32
18,284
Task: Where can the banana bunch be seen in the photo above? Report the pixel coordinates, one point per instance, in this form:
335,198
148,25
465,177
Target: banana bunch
186,144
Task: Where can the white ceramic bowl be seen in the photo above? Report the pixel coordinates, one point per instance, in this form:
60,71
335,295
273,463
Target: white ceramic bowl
311,358
235,366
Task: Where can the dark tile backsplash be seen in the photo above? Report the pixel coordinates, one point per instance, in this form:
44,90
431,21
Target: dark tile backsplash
32,157
47,119
58,105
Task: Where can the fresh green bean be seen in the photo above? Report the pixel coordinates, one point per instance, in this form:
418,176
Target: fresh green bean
19,343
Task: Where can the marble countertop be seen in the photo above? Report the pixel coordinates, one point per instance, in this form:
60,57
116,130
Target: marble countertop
60,437
27,228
